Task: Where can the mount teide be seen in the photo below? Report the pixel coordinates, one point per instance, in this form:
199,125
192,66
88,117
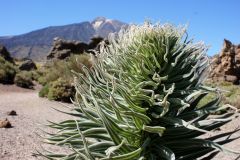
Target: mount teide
36,44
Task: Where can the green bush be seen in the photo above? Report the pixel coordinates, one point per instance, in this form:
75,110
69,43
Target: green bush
7,72
42,80
62,69
60,90
230,94
44,91
35,75
140,101
24,79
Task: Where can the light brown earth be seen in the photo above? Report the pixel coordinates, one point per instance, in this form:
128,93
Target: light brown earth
19,142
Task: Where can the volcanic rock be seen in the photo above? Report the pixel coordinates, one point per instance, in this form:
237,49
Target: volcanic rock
5,54
5,123
27,65
12,113
64,48
226,65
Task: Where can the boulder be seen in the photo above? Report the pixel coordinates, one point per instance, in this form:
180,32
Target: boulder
94,43
12,113
62,54
232,79
62,49
5,123
5,54
226,65
27,65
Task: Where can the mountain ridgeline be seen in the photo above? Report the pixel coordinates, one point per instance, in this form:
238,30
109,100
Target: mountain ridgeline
36,44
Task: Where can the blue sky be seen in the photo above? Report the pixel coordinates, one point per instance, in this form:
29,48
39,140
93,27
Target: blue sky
209,20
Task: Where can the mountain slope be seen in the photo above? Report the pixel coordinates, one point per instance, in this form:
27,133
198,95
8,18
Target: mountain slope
36,44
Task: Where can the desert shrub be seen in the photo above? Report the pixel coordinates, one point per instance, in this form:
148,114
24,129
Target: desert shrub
62,69
7,71
41,78
24,79
60,90
76,62
230,92
140,101
44,91
35,74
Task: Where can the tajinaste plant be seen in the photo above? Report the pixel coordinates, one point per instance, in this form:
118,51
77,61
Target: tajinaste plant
140,100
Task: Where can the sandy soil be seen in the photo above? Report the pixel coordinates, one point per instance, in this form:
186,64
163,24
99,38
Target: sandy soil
234,145
19,142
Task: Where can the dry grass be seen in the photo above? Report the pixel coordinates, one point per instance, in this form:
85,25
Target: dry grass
231,93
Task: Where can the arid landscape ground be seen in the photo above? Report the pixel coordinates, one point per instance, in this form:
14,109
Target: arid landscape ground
22,140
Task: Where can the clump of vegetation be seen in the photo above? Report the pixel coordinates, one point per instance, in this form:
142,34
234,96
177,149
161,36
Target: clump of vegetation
57,77
10,74
44,91
140,101
60,90
24,79
230,92
7,71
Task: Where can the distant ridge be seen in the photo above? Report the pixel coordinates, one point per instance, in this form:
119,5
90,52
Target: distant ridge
36,44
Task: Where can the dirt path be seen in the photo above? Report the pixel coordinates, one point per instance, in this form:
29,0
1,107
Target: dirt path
19,142
234,145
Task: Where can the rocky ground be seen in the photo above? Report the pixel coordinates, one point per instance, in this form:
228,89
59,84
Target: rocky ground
234,145
21,141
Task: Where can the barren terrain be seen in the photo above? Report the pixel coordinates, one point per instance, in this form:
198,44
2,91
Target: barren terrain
22,140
